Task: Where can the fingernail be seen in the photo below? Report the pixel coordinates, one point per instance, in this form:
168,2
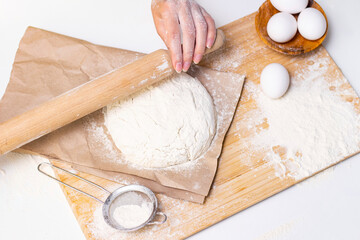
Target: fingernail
178,67
186,66
197,58
209,43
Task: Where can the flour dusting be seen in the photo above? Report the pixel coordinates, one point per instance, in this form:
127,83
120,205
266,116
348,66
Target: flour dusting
101,230
162,66
308,129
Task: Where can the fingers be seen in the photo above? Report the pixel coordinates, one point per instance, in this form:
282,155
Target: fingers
184,17
167,25
201,33
188,34
173,41
211,28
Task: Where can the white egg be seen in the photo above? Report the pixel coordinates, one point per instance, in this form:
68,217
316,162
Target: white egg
290,6
312,24
282,27
274,80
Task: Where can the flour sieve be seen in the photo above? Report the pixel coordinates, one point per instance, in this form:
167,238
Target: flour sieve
138,197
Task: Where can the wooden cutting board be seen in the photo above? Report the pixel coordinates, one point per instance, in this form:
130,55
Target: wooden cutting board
238,184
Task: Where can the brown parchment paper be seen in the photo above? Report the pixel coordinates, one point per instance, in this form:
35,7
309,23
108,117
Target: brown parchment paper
48,64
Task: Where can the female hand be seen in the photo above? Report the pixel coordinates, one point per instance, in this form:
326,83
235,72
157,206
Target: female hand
186,18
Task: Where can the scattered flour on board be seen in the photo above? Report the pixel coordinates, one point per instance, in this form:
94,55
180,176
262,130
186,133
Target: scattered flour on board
312,124
99,229
319,179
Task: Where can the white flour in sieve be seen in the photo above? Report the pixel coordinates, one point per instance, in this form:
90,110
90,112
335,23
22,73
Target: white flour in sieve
315,126
132,215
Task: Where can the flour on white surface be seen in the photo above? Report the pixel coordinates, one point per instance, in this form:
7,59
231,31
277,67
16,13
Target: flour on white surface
164,125
32,206
314,125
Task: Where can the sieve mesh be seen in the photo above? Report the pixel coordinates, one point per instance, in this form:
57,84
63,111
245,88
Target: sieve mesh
131,209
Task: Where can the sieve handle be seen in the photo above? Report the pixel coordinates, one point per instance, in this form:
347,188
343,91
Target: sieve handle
159,222
74,175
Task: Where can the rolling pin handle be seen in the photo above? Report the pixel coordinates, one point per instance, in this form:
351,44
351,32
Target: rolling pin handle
219,42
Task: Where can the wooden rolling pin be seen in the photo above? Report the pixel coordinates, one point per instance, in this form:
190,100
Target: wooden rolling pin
88,98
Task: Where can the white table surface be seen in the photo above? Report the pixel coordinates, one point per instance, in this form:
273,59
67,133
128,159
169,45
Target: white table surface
324,207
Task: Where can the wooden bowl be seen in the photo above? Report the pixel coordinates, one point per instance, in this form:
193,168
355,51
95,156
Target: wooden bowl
298,44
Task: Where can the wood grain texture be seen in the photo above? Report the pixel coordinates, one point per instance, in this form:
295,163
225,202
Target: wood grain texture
298,45
243,178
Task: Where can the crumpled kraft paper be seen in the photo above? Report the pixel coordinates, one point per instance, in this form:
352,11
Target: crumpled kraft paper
48,64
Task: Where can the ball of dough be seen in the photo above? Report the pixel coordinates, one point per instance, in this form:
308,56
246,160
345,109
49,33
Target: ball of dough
167,124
